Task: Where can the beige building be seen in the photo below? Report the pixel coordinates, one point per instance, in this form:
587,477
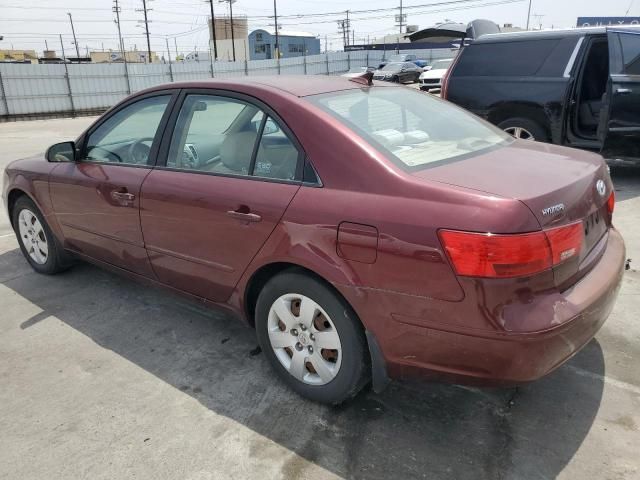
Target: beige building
26,56
115,56
223,38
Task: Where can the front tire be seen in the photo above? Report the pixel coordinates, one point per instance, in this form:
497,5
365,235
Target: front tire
37,242
312,338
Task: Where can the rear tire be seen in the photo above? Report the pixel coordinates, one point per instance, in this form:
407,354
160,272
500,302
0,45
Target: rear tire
37,243
524,129
297,316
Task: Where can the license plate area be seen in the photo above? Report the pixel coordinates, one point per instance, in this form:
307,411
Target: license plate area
595,226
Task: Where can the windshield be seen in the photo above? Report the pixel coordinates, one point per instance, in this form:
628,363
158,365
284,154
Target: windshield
413,129
441,64
392,66
397,58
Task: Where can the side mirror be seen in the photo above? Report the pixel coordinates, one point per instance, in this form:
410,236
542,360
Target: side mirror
403,70
62,152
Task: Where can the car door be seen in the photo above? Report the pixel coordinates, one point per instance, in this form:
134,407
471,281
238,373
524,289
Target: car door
230,170
620,126
97,198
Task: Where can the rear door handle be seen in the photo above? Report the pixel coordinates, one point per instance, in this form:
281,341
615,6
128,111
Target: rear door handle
243,215
624,91
122,196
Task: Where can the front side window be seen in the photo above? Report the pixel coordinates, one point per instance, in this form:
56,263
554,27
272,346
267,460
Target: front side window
414,130
224,135
630,53
126,136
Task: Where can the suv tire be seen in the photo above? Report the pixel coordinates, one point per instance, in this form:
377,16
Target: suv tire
524,129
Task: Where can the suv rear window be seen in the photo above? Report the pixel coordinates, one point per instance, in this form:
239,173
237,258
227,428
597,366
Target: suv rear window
413,129
505,59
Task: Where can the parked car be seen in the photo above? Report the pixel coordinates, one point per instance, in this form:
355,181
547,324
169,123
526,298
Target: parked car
404,57
579,88
432,79
366,232
398,72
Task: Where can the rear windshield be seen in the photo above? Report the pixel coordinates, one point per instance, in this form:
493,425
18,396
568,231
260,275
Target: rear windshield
392,66
413,129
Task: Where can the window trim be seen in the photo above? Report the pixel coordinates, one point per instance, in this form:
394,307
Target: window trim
172,93
167,135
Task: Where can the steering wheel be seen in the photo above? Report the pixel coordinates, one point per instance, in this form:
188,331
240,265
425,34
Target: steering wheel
139,151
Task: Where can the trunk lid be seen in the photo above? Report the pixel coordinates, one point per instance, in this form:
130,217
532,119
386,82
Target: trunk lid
559,185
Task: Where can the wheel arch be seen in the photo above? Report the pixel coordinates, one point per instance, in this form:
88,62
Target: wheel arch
266,272
262,275
534,112
12,197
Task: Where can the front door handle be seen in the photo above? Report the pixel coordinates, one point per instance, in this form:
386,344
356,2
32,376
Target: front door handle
244,213
624,91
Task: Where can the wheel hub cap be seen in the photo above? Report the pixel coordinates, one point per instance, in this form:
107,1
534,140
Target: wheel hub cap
304,339
32,236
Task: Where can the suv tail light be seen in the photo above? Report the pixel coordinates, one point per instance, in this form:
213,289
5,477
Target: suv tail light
505,256
444,90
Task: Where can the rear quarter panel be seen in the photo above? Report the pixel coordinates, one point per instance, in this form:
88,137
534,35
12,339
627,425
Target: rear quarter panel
498,98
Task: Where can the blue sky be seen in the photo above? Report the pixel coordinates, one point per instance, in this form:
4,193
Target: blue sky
28,24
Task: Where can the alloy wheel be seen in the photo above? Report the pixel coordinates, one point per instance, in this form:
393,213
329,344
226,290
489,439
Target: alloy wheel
304,339
33,237
519,132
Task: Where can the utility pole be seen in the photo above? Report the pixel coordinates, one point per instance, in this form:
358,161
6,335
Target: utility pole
74,37
145,10
275,21
348,27
529,14
116,10
175,44
233,40
213,33
400,19
342,26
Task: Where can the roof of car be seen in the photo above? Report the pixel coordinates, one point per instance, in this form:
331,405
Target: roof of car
540,34
298,85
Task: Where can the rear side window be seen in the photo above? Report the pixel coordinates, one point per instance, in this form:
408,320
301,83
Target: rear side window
505,59
630,53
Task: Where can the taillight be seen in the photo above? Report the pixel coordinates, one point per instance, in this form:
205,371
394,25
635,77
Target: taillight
504,256
444,91
611,203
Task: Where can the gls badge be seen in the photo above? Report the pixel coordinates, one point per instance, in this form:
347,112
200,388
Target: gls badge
553,209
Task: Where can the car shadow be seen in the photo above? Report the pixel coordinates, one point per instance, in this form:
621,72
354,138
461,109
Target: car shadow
411,430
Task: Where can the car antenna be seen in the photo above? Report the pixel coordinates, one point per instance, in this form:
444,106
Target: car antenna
365,79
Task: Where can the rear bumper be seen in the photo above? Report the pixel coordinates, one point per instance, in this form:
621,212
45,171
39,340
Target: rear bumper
427,346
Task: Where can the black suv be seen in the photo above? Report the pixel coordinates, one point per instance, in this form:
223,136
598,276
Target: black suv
579,88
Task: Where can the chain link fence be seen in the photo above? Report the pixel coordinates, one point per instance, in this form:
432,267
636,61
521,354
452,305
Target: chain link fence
56,90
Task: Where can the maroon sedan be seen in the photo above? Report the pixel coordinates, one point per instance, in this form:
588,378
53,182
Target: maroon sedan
366,231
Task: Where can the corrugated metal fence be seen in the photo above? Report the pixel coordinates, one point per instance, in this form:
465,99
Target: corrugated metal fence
38,91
